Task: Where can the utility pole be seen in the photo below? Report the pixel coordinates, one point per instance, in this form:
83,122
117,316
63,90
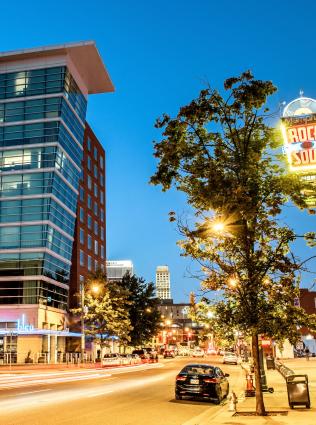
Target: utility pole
83,340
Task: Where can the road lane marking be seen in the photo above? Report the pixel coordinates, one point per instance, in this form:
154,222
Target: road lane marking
99,394
31,392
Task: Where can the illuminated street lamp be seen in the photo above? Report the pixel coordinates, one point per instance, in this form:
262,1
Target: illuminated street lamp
95,288
218,226
232,282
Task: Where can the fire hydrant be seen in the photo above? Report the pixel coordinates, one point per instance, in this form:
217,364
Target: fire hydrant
232,407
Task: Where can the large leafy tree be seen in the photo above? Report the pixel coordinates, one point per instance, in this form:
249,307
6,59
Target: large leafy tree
143,309
219,150
106,310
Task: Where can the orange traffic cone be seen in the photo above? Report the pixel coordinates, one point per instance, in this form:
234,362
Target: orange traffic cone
250,389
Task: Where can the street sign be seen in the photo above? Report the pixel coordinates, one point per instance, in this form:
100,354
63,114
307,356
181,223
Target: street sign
296,302
299,345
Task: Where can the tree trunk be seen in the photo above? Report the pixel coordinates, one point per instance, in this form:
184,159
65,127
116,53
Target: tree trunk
260,409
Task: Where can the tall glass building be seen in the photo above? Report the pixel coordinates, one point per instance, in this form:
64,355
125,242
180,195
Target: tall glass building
43,102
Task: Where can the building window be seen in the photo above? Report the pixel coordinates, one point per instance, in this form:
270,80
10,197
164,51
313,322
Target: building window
95,207
96,228
81,258
89,202
89,242
89,221
101,162
102,252
89,183
89,144
95,153
95,171
89,163
102,233
81,194
102,197
81,278
101,179
89,263
96,248
81,236
102,268
95,190
102,215
81,213
96,266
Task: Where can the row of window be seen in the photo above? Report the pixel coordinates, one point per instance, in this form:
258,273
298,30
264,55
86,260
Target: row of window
33,292
43,81
87,261
75,97
95,189
37,209
95,204
72,121
40,133
91,242
34,263
95,155
96,173
43,157
30,109
13,237
38,183
91,223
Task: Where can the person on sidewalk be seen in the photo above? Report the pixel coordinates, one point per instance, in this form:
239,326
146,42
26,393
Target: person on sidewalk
307,353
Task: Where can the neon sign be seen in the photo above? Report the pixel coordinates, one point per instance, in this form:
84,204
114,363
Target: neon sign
299,133
22,326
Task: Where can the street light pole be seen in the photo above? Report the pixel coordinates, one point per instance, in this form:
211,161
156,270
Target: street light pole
83,340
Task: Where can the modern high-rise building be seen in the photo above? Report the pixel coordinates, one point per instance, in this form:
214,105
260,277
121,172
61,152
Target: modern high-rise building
163,283
115,270
43,101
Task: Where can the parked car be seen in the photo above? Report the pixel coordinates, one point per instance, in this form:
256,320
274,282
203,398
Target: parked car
111,359
211,351
198,352
202,380
141,353
183,352
169,353
152,353
230,358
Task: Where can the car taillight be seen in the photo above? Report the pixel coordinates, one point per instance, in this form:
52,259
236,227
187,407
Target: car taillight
211,380
181,378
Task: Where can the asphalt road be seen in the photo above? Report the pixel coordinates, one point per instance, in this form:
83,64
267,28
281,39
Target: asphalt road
138,397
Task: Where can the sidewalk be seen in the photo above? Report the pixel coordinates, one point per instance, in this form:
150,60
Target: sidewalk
276,401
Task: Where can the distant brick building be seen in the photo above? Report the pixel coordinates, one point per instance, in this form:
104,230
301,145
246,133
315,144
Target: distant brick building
308,303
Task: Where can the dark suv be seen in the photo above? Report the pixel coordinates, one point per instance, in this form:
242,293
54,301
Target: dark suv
141,353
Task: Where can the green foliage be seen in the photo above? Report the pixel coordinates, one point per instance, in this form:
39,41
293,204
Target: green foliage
143,309
220,152
106,312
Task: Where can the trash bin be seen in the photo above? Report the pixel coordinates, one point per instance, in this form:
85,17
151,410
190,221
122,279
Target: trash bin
297,391
270,362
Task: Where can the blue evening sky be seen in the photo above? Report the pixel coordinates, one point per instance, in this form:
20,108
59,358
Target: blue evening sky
159,55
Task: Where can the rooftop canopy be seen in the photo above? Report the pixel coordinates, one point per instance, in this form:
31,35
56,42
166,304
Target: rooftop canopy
84,55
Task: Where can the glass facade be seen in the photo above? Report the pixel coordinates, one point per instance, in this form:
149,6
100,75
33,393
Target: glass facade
42,115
